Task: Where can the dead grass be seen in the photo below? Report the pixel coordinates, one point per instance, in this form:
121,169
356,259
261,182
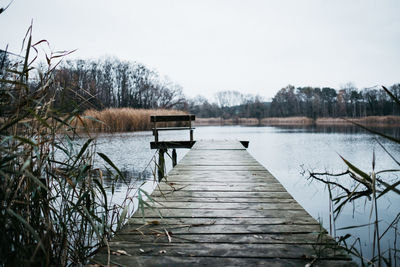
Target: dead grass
287,121
253,121
129,119
122,119
370,120
221,121
207,121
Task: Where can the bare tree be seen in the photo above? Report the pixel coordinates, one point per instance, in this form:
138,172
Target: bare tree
229,98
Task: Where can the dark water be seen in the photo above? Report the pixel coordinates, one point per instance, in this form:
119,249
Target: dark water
286,152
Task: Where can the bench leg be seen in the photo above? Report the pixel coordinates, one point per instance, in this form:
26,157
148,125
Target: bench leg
173,157
155,133
161,164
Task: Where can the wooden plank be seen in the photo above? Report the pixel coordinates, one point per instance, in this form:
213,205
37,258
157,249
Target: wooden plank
223,229
165,118
219,206
213,168
225,200
220,183
215,162
260,176
220,173
220,179
164,260
203,153
230,213
216,194
171,144
224,221
210,161
273,187
270,238
219,145
222,188
217,186
282,251
223,206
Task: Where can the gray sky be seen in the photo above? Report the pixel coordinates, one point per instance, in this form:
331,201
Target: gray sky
253,46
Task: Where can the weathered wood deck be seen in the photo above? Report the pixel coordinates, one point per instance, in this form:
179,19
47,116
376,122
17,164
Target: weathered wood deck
221,207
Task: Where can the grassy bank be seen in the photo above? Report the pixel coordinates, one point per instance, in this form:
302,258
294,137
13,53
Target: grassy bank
221,121
370,120
122,119
129,119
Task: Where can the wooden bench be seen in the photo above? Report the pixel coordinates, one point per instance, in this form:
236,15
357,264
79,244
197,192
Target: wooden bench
165,145
172,118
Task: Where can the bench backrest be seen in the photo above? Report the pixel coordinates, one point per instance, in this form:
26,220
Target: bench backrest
172,118
165,118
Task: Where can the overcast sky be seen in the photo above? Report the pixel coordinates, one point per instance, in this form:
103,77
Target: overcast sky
253,46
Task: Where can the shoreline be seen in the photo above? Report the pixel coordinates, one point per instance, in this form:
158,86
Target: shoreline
121,122
375,121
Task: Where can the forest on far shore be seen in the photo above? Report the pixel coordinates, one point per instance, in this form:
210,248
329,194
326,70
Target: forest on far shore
311,102
113,83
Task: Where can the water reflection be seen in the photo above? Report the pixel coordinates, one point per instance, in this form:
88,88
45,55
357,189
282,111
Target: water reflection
130,176
333,129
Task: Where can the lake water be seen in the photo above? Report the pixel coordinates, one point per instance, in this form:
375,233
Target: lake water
286,152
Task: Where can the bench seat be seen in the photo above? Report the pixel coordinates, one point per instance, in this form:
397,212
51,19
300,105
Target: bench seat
173,128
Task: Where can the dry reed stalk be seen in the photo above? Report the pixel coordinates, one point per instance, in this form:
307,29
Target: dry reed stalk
54,210
122,119
221,121
254,121
287,121
248,121
207,121
369,120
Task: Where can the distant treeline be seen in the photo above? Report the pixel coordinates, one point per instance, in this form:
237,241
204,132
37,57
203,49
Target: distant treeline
112,83
312,102
327,102
230,104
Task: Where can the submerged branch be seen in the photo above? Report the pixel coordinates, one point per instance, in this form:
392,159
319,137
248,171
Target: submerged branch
314,175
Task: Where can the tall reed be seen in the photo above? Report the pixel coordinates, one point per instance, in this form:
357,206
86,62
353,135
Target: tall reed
122,119
54,208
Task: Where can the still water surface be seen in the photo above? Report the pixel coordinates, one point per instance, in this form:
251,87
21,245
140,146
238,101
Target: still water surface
286,152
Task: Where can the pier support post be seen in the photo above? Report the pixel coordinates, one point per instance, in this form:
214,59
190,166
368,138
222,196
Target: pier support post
173,157
161,163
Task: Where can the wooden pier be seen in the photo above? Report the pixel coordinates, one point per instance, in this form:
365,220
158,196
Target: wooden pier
220,207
